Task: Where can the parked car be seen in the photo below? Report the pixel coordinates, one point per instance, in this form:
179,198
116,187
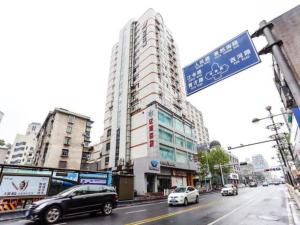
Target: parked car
75,200
229,189
265,184
276,182
183,196
253,184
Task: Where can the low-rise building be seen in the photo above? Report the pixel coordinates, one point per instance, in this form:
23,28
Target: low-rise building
3,154
23,148
63,140
247,172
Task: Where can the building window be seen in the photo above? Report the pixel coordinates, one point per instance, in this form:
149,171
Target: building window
108,133
166,153
69,129
67,141
165,119
178,125
71,119
107,146
62,164
106,161
188,130
189,145
179,141
181,157
65,152
165,135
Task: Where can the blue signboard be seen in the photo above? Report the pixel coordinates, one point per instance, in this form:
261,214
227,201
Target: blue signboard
296,112
234,56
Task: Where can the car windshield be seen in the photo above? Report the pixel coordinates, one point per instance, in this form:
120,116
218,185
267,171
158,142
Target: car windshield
180,190
67,191
228,185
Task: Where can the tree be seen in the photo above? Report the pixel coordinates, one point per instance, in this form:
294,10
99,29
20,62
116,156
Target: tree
203,157
2,142
217,156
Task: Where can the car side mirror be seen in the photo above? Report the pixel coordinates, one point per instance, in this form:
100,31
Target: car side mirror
187,191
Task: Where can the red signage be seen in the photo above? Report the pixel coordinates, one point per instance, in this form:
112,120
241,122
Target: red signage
151,130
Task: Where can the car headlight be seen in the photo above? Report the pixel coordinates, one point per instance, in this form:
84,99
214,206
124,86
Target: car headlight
40,207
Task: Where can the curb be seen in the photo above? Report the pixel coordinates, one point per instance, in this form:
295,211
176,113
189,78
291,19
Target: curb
12,215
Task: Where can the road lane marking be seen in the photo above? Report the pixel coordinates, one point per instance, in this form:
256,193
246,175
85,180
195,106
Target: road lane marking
143,205
142,210
232,211
152,219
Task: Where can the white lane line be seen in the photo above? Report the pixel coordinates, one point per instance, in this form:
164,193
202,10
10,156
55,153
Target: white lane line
143,205
228,214
142,210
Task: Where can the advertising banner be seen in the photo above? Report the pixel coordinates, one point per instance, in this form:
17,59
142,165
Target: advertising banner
92,181
13,185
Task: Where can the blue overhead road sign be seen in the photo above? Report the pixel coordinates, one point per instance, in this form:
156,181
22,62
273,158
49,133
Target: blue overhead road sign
234,56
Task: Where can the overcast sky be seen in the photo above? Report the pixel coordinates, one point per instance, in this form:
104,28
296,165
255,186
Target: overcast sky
56,54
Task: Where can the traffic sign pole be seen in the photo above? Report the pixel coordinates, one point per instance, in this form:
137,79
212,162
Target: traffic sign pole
280,59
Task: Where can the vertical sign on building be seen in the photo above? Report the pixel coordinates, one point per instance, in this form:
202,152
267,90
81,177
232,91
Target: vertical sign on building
150,129
230,58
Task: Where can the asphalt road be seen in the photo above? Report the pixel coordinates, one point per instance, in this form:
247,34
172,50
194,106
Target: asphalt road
253,206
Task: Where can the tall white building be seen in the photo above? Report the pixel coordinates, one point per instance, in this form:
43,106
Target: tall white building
1,116
201,132
23,148
259,163
146,128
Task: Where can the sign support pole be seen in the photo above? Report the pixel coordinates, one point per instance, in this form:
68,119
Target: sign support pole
280,59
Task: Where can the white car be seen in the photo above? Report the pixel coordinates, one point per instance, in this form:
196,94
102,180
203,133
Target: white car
183,196
229,189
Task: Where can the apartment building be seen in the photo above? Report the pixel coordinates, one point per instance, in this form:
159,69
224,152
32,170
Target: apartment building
3,153
63,140
23,148
99,158
201,132
259,163
146,129
1,116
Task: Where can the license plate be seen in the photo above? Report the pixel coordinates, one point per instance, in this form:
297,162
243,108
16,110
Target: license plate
173,200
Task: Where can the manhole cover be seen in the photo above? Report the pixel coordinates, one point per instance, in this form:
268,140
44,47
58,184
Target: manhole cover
269,218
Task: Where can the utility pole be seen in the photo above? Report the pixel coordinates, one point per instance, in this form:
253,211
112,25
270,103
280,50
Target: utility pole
281,149
222,177
274,47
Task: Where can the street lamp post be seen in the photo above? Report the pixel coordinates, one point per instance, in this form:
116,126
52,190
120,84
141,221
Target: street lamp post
276,126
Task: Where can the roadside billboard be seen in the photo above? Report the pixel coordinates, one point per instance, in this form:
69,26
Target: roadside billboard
230,58
19,185
286,28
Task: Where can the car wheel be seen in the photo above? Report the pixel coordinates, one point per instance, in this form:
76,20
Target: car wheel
170,205
185,202
222,194
52,215
107,208
197,199
236,193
